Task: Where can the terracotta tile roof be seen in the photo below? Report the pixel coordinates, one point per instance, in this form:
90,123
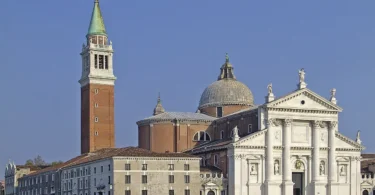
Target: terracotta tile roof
32,167
125,152
56,167
210,169
108,153
368,156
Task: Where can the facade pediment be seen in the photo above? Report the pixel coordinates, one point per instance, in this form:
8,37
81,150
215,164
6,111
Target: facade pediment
345,143
304,99
254,139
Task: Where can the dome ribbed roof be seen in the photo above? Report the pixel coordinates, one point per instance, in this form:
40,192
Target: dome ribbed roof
226,90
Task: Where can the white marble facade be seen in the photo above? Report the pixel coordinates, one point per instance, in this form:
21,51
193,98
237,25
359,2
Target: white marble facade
298,148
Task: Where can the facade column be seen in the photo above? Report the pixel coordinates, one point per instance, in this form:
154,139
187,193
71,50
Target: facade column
332,151
269,150
271,185
287,176
316,150
317,185
332,165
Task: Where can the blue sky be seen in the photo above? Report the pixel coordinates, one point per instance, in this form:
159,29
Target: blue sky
175,48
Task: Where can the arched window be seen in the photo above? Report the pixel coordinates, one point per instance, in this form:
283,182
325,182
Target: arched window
216,159
201,136
365,192
222,135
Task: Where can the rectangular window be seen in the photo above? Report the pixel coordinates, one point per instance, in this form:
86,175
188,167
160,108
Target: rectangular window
109,179
94,181
187,192
144,192
222,192
101,62
187,178
250,128
127,167
186,167
109,192
109,167
144,178
171,192
144,167
171,178
128,192
53,177
46,178
106,62
101,169
219,111
127,179
94,170
171,167
96,61
86,183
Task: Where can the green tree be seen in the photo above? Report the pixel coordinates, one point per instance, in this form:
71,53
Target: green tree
38,161
29,162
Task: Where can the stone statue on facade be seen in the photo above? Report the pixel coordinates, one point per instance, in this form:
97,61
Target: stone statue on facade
269,87
333,96
342,171
302,75
301,84
333,93
253,170
270,97
277,168
235,136
358,139
322,169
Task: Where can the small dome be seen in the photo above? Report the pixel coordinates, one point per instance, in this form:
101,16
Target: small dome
226,92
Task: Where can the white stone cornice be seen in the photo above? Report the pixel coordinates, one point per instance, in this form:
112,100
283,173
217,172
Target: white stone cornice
97,80
317,98
299,110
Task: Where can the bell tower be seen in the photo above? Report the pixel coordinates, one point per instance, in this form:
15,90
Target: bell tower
97,87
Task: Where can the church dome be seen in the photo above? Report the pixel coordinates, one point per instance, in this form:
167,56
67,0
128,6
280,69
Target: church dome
226,90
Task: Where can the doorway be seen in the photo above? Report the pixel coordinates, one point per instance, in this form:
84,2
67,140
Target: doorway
297,179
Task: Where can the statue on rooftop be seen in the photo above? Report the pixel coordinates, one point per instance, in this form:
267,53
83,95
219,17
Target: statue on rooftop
302,75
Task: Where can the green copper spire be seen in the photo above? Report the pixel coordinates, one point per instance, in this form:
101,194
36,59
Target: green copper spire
97,23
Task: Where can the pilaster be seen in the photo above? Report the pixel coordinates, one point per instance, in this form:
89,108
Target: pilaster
270,183
332,165
287,172
318,186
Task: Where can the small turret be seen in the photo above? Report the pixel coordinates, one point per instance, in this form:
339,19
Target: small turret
226,70
158,108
